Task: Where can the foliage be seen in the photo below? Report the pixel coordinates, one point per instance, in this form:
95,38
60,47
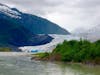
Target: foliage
5,49
78,51
43,55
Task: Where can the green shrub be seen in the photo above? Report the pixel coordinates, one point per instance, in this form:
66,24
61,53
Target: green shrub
78,51
43,55
5,49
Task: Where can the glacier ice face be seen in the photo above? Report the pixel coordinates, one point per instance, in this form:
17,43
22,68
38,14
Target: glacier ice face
8,11
49,47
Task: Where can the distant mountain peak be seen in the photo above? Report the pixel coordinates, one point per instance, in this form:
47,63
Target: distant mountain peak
15,9
8,11
2,4
92,34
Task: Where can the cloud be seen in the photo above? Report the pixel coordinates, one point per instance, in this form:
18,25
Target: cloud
69,14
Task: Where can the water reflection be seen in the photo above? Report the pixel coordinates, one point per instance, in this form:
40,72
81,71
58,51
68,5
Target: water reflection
24,66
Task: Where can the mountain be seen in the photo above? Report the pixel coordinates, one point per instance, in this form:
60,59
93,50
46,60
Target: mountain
92,34
14,34
79,30
35,24
94,30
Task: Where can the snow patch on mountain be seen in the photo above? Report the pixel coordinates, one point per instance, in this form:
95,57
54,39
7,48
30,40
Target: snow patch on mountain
8,11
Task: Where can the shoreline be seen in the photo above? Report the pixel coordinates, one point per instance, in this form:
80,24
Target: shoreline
77,63
15,54
48,59
54,59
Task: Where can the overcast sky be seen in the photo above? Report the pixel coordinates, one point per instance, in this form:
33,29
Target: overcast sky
70,14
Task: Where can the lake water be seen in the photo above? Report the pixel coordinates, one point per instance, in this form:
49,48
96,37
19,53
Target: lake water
22,65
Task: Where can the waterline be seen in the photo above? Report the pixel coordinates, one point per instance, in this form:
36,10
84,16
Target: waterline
22,65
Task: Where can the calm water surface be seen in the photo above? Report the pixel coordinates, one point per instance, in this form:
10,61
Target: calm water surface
24,66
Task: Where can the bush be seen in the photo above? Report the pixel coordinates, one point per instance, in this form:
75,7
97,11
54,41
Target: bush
5,49
43,55
78,51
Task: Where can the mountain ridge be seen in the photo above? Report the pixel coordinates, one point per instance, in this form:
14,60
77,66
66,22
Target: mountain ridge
36,24
13,34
